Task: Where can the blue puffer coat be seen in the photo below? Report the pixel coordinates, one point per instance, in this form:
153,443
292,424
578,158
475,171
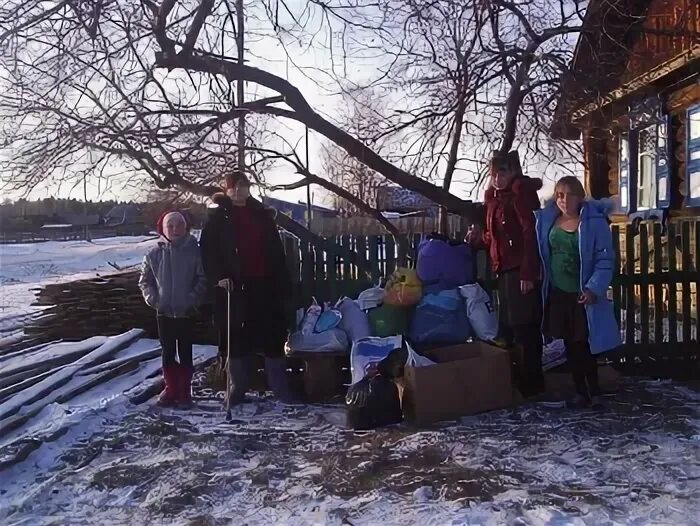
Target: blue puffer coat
597,260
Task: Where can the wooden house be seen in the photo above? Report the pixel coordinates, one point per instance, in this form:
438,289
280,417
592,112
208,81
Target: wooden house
633,96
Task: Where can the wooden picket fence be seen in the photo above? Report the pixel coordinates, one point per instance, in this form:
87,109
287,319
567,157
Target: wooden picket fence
654,287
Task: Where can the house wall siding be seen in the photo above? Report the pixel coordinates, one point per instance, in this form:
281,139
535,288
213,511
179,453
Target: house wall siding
670,28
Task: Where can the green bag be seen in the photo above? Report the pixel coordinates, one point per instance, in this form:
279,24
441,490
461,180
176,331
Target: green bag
389,320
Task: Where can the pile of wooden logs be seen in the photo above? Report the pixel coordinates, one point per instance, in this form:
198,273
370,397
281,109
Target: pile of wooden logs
38,377
106,305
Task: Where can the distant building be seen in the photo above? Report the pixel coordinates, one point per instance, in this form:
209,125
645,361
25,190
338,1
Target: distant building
633,96
121,215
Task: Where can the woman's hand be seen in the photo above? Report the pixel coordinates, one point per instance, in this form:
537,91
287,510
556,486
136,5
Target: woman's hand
587,298
474,235
526,287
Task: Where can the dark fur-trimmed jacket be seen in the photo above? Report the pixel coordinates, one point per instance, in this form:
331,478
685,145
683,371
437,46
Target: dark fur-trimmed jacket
219,245
509,235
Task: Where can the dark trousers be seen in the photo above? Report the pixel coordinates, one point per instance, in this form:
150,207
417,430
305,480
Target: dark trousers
584,368
520,321
257,320
175,336
566,319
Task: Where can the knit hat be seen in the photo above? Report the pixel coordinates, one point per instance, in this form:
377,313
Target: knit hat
168,214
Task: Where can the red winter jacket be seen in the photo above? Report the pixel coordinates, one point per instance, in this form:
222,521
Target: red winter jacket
509,233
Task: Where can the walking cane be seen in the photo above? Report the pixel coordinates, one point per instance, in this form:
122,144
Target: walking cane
228,353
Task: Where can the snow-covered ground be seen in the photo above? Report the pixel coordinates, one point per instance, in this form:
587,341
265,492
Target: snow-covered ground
638,463
100,458
24,267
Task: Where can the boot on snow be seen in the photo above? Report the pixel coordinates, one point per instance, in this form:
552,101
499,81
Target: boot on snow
168,397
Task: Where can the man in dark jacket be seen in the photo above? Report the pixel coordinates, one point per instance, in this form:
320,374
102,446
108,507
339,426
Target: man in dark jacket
511,241
244,261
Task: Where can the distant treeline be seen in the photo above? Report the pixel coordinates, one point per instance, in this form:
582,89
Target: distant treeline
51,207
47,210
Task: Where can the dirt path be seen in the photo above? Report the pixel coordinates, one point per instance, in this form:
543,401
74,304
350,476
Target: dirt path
638,463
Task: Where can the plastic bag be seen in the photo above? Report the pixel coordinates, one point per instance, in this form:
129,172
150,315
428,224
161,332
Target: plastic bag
480,311
444,264
403,289
371,298
368,352
373,402
334,340
441,318
329,319
354,322
310,318
553,355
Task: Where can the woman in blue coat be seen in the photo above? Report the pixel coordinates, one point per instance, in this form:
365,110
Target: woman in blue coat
575,245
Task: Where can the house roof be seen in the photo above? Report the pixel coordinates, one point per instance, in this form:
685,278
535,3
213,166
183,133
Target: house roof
600,57
123,214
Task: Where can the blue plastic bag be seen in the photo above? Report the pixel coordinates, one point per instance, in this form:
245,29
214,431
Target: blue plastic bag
441,318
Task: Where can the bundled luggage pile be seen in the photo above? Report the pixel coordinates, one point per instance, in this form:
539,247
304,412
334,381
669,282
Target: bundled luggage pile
436,309
437,303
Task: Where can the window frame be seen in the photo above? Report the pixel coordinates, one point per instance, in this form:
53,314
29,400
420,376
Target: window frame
623,183
647,117
691,146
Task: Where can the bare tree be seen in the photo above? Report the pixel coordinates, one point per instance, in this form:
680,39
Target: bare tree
362,119
453,80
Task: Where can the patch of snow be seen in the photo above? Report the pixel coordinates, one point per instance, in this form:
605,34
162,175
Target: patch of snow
27,266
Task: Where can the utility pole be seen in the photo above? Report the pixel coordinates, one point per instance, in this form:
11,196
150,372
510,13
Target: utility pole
240,41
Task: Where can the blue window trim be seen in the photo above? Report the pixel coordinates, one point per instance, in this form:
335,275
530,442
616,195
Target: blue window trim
662,201
691,146
666,171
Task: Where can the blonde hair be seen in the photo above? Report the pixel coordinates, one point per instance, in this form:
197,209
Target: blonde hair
573,184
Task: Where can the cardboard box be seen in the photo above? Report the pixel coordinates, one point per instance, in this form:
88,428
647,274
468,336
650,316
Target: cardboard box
469,378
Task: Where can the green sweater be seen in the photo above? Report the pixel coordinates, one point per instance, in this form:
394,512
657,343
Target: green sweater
565,263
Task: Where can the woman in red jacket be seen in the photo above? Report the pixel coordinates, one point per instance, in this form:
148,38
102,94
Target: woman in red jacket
511,241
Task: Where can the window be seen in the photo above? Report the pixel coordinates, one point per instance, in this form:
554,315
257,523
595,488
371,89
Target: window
692,174
624,161
644,164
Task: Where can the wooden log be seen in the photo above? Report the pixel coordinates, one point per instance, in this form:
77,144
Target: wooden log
11,389
79,350
13,422
146,355
59,378
27,350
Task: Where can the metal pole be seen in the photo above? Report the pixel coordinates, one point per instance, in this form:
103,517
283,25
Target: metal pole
85,206
308,186
240,41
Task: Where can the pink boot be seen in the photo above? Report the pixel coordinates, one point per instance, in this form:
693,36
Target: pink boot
169,395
